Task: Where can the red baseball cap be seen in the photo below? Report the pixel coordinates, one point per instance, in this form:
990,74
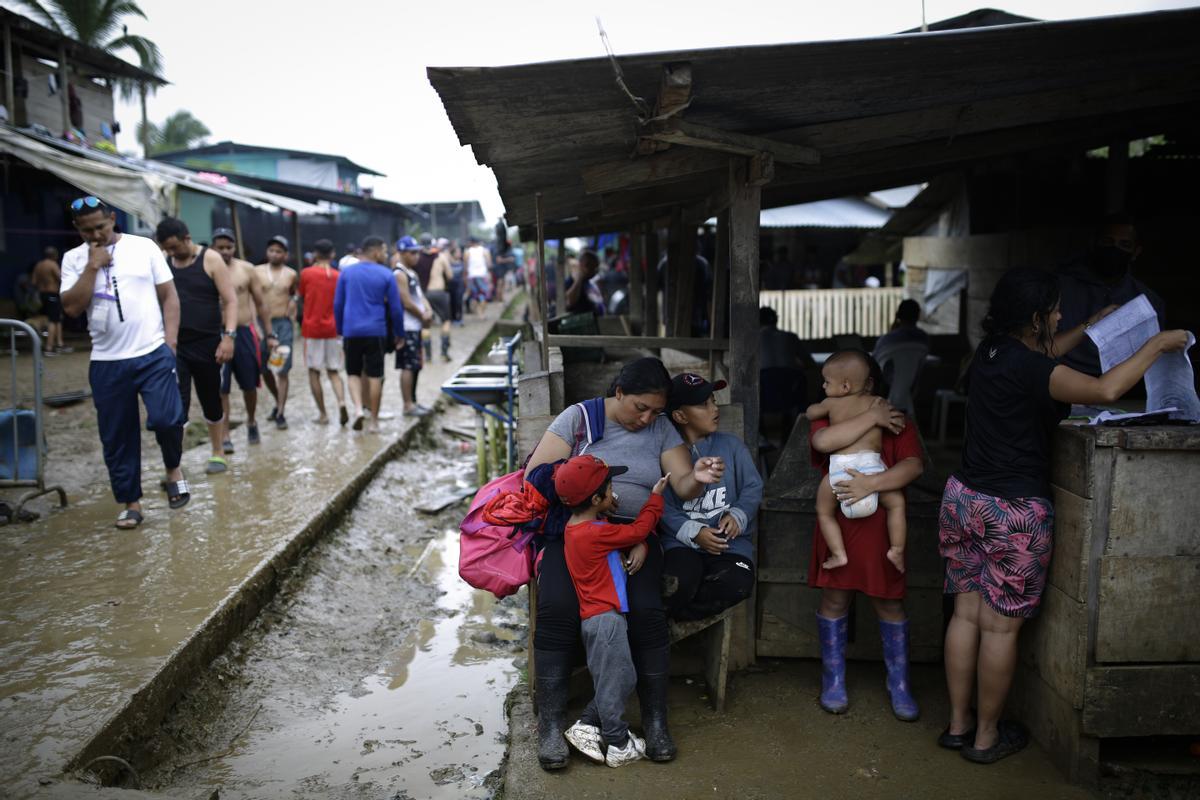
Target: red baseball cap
580,477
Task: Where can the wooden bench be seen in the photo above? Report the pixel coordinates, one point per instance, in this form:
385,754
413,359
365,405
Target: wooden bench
718,631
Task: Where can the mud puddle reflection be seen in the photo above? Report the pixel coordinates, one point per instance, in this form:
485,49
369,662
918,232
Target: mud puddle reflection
375,673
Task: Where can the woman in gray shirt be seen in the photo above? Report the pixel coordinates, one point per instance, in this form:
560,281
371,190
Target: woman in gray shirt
635,435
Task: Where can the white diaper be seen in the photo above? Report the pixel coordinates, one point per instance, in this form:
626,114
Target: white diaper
866,462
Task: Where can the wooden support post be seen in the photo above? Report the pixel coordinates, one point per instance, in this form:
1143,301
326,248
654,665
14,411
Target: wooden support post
685,277
637,275
650,328
237,230
63,96
9,93
744,208
719,316
542,289
560,279
677,263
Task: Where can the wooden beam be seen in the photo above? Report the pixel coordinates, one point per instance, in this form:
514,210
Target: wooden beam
678,131
9,95
651,342
652,170
63,95
744,208
719,312
674,95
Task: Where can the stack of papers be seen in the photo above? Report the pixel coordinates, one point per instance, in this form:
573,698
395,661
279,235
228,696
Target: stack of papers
1170,382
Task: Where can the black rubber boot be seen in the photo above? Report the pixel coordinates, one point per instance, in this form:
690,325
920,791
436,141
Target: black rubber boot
654,673
553,684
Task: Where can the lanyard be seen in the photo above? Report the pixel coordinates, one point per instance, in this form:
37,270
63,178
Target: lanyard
111,280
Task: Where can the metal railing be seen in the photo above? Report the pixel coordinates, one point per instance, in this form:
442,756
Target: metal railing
823,313
12,474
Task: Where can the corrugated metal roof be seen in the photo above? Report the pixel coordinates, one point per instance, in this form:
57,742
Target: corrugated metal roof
839,212
232,148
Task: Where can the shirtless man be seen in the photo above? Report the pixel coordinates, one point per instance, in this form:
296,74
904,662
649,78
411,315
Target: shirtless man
279,289
245,364
47,277
441,275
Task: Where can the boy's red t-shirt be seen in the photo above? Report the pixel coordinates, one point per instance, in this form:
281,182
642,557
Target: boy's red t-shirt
317,285
866,538
593,556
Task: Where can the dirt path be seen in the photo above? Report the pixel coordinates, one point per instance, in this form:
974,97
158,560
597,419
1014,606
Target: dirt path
375,673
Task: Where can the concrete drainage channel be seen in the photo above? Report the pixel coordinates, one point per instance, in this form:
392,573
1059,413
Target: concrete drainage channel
374,672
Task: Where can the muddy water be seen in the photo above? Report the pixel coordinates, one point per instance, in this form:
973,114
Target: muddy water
375,673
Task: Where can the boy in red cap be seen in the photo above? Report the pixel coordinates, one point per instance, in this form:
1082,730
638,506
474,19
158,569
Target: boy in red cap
593,554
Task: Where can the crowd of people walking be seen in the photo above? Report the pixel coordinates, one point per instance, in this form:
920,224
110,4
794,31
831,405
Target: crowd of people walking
169,315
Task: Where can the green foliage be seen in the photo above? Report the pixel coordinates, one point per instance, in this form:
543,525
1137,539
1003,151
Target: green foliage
180,131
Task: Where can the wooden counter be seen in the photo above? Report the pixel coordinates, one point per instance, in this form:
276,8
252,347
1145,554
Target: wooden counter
1115,651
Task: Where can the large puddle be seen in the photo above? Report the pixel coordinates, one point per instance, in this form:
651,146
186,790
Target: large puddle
376,672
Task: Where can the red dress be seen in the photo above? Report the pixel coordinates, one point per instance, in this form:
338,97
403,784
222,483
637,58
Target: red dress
866,539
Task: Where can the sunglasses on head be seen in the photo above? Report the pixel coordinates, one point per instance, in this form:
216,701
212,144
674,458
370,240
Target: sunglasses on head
89,201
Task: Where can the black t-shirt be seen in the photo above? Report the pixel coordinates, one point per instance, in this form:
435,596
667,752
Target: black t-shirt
1010,420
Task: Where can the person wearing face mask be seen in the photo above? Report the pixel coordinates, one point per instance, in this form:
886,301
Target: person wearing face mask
1100,281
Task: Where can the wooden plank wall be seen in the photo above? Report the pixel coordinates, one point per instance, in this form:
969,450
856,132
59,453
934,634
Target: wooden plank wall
46,109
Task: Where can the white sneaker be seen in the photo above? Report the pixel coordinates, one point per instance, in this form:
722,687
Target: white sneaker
633,750
586,739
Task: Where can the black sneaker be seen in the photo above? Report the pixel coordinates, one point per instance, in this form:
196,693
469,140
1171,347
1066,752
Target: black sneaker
280,422
343,416
274,415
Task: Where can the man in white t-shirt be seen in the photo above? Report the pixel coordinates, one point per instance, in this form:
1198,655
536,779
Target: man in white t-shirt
124,285
479,275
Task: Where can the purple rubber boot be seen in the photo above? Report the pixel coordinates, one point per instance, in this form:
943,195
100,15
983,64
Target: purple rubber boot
895,658
832,633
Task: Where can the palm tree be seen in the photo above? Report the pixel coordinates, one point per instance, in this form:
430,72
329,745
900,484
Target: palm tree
99,24
180,131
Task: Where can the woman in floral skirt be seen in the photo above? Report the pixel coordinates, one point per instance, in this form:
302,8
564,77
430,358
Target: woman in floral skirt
997,519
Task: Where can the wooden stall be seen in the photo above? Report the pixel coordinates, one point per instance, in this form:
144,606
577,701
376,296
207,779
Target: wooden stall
1115,651
654,144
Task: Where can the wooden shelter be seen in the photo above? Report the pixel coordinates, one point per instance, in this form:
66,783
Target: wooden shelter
667,140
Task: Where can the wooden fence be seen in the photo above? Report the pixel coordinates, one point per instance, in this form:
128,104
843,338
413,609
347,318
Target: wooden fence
822,313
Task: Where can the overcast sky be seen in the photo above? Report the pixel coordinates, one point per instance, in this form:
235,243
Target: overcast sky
348,77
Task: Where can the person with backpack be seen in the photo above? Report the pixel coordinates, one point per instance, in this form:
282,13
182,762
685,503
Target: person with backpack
627,427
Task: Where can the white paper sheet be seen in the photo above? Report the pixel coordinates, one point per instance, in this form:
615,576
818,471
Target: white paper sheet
1119,335
1170,381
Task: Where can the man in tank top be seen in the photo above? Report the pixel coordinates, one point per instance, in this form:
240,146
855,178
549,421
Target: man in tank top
207,326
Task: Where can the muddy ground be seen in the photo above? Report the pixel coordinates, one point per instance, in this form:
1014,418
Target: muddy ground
376,672
72,438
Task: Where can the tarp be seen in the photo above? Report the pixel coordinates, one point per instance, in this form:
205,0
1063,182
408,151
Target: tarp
88,169
134,191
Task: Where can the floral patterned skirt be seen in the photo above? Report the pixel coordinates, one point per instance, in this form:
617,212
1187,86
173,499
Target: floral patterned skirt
996,546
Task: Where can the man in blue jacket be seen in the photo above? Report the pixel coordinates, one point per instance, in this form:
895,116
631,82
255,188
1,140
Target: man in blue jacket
708,560
368,313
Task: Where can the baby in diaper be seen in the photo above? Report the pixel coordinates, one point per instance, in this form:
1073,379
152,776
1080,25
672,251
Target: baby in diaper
846,380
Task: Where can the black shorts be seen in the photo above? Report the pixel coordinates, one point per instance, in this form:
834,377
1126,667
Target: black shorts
440,301
364,354
409,357
52,306
245,365
196,362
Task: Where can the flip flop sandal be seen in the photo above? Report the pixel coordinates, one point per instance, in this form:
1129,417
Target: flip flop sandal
178,493
1012,738
956,741
216,465
129,515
